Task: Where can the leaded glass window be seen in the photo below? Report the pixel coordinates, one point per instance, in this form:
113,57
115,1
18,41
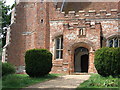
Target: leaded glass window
114,42
59,47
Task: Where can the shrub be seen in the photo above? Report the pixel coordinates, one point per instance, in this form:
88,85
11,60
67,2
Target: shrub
7,69
38,62
107,61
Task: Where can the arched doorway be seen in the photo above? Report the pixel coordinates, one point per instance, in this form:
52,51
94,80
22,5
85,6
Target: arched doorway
81,58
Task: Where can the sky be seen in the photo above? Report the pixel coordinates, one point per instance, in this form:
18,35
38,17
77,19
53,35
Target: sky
9,2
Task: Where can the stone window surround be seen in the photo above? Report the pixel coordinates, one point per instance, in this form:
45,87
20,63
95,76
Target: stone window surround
82,32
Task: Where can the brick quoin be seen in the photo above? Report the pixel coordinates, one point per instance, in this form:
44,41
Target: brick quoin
85,27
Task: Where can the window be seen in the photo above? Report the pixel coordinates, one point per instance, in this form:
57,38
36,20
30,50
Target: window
115,42
82,32
59,47
42,1
41,21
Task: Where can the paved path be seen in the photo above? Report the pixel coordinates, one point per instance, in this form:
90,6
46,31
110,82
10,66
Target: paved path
67,81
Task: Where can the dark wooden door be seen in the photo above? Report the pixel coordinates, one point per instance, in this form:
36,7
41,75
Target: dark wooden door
84,63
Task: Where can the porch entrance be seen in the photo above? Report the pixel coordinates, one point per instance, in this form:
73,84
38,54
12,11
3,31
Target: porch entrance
81,58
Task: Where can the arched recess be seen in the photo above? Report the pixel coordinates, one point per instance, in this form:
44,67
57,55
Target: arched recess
89,46
81,60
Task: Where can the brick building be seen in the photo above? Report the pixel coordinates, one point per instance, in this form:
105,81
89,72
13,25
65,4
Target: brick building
72,33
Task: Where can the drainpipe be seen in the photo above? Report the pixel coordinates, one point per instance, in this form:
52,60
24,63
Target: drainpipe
62,5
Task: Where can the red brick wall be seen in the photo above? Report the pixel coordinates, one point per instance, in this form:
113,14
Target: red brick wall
28,31
38,24
76,6
105,25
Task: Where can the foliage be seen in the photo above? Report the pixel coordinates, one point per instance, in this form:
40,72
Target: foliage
5,19
0,70
107,61
7,69
38,62
23,80
97,81
5,16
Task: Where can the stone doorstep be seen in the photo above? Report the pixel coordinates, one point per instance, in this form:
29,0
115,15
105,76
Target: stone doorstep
80,73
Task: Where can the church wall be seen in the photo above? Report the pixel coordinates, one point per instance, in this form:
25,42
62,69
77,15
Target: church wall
36,25
98,23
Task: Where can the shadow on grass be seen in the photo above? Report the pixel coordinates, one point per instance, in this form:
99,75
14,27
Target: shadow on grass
17,81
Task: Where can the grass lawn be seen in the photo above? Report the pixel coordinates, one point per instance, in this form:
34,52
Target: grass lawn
16,81
97,81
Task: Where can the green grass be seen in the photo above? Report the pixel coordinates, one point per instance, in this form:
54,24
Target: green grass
22,80
0,83
97,81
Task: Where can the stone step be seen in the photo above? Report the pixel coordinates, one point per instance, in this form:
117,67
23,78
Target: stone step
80,74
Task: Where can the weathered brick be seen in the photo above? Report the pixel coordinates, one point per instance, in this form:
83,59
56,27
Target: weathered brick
36,25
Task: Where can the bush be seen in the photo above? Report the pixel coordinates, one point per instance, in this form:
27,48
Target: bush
7,69
38,62
107,61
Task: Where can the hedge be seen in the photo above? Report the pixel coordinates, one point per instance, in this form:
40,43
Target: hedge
7,69
38,62
107,61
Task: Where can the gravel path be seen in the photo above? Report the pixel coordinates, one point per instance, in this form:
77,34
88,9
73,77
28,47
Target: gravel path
63,82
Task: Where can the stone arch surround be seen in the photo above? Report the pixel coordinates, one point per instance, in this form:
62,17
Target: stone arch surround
113,35
57,34
89,45
83,43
